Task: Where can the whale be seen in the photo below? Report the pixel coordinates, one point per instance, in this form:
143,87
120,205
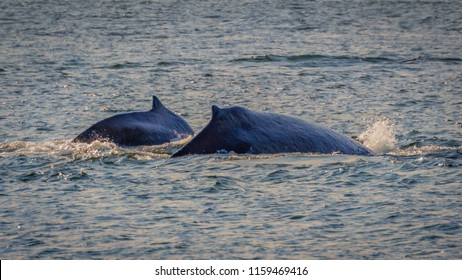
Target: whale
154,127
243,131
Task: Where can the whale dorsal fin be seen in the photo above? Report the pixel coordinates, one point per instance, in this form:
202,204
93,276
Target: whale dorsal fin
156,104
215,111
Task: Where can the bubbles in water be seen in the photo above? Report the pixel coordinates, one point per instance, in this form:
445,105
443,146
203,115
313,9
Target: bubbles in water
380,136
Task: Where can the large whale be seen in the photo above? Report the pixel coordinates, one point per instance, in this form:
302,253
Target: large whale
240,130
156,126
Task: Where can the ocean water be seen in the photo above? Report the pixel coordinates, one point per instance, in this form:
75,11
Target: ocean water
388,73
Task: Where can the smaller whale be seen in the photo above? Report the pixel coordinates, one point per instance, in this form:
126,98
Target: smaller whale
240,130
154,127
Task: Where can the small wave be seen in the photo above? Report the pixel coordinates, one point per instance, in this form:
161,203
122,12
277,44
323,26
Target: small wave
312,59
170,63
380,136
422,58
120,65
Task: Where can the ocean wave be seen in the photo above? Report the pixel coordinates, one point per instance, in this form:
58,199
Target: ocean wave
313,60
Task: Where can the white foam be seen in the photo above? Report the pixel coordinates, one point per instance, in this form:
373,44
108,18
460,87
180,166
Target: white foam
380,137
66,150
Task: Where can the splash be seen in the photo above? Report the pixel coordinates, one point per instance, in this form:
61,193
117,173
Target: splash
380,136
68,151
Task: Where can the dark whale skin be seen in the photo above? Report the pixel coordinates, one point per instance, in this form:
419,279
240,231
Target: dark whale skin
154,127
243,131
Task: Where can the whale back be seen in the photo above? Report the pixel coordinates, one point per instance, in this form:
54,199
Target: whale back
241,130
156,126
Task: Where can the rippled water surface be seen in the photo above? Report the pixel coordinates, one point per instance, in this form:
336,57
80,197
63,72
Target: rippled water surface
386,72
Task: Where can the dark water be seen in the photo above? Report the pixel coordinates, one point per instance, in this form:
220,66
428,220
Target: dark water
388,72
